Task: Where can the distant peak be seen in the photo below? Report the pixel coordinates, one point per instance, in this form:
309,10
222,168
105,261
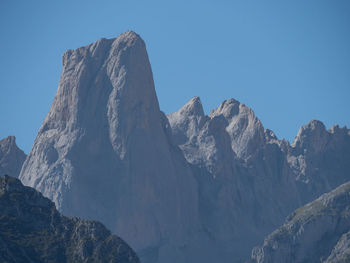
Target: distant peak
315,124
228,108
228,103
315,130
193,107
312,126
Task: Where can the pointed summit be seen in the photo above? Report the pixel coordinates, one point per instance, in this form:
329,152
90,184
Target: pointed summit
193,108
245,129
187,121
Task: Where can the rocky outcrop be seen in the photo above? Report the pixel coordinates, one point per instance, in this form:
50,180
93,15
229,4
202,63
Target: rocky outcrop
11,157
316,232
104,151
32,230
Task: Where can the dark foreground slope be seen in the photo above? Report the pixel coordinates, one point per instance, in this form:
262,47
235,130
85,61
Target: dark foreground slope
316,232
32,230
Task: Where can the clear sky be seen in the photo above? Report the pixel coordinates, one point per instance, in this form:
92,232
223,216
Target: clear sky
288,60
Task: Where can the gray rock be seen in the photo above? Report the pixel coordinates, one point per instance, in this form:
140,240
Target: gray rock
312,233
11,157
104,151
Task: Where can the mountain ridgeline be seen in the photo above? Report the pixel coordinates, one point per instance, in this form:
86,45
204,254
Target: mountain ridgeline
186,187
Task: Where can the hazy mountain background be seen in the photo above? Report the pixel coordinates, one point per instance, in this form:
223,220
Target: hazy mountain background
289,61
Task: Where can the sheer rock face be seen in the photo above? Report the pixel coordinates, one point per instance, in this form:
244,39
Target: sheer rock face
316,232
32,230
11,157
105,152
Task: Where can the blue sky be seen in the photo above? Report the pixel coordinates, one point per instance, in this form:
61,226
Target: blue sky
288,60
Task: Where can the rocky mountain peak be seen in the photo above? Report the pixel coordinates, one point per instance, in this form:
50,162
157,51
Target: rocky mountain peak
11,157
104,144
229,108
95,75
244,128
187,121
312,136
193,108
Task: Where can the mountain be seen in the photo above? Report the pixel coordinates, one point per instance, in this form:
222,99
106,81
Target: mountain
11,157
316,232
186,187
32,230
104,151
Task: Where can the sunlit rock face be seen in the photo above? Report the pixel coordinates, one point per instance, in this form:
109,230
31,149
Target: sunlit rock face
104,150
11,157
